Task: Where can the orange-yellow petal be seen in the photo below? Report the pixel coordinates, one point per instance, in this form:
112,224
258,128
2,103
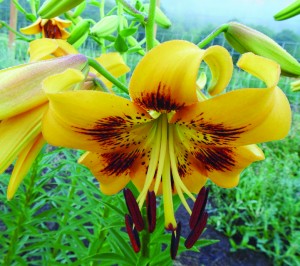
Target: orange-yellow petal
23,164
241,157
45,48
165,79
94,121
17,132
112,178
33,28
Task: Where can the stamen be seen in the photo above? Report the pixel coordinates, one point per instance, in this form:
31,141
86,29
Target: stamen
177,179
132,233
163,150
170,222
199,207
197,231
152,166
175,241
151,210
134,209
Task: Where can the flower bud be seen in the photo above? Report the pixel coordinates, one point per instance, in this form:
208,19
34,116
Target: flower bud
53,8
288,12
21,86
160,18
80,29
105,26
245,39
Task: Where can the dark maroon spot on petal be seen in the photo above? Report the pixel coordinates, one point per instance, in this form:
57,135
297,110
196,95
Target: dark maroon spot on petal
199,207
175,239
196,232
170,227
151,210
134,209
118,162
215,158
160,100
132,233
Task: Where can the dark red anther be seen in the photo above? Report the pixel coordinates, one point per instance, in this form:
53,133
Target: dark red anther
197,231
151,210
175,241
132,233
134,209
199,207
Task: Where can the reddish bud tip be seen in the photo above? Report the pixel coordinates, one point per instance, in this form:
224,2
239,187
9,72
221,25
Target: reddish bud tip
196,232
134,209
151,210
132,233
199,207
175,241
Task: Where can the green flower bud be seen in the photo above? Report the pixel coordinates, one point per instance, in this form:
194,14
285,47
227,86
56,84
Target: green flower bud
295,85
244,39
80,29
288,12
54,8
105,26
160,18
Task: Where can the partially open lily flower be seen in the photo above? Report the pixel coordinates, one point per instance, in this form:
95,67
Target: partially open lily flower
22,105
166,139
53,28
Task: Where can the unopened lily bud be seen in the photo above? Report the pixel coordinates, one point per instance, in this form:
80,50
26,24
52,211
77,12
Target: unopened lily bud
288,12
80,29
54,8
105,26
245,39
21,86
295,85
160,18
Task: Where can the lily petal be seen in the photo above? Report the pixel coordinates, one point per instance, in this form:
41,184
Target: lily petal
241,158
21,86
165,79
17,132
236,118
23,164
114,64
45,48
240,117
94,121
33,28
110,183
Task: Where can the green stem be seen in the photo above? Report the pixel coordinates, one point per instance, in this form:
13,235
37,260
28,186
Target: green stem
130,7
145,248
3,24
213,35
94,64
150,26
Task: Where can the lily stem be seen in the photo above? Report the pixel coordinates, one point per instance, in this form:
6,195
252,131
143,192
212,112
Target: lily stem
150,26
213,35
93,63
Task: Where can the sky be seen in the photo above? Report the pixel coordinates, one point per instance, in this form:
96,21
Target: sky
222,11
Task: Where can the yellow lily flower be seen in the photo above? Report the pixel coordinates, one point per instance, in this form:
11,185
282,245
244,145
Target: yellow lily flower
165,139
22,105
43,49
53,28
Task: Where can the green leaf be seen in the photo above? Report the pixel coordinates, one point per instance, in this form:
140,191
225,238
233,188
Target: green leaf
120,44
128,32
